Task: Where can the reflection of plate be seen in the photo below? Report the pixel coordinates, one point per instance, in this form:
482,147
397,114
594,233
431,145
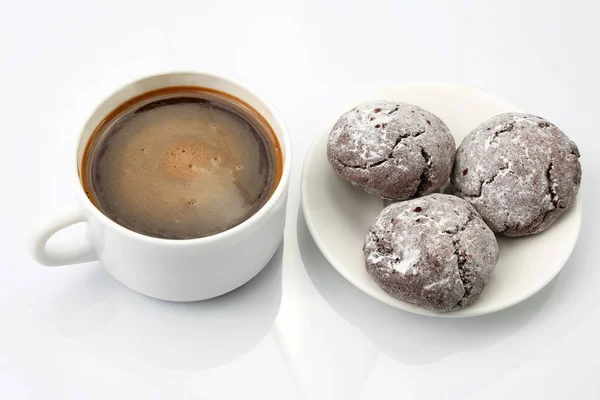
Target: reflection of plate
338,214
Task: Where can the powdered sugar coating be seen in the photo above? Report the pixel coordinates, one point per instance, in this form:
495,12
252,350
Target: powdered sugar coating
434,251
390,149
519,171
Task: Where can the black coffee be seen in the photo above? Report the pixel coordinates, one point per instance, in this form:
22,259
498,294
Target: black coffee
181,163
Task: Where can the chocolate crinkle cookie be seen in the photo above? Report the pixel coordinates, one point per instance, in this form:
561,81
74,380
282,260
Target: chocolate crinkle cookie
519,171
434,251
393,150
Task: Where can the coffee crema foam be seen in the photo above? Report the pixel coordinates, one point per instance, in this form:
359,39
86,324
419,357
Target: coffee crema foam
183,165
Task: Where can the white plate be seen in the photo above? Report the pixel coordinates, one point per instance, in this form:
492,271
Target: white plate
338,214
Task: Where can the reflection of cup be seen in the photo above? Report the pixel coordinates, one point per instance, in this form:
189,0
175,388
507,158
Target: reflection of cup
409,338
178,270
173,336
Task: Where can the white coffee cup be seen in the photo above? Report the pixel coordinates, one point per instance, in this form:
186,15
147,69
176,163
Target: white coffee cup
176,270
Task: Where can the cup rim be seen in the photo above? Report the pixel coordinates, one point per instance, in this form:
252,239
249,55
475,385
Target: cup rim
280,189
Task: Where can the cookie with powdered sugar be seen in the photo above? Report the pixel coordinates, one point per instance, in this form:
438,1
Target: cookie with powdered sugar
519,171
392,150
434,251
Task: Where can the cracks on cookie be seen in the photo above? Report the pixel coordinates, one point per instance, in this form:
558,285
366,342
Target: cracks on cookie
461,257
396,143
390,155
460,228
574,150
504,128
485,182
418,132
552,185
351,166
464,273
375,164
553,199
424,178
367,166
505,224
394,110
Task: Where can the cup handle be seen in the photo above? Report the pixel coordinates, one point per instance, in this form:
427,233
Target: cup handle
78,250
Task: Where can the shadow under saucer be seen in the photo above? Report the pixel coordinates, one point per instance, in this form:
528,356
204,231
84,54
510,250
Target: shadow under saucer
406,337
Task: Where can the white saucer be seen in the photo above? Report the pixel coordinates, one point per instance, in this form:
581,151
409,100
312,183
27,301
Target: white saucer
338,214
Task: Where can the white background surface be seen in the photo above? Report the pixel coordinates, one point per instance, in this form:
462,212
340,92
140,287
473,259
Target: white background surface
298,330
